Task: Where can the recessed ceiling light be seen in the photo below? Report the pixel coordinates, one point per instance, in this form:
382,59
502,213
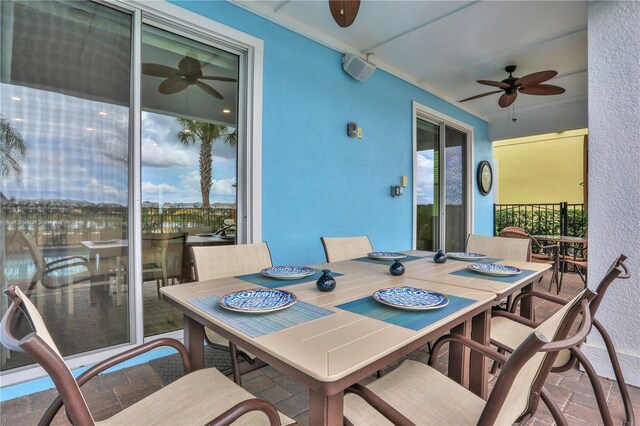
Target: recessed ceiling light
90,129
17,119
15,98
226,111
102,113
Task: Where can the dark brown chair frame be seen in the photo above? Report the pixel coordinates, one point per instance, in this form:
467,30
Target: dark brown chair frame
69,387
618,270
533,344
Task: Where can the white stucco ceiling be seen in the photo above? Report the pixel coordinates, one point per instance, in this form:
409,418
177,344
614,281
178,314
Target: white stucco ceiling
445,46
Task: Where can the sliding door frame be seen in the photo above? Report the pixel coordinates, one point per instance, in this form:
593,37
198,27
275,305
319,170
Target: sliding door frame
423,112
249,182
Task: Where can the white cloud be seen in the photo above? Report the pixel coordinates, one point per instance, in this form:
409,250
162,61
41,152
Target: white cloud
159,154
151,188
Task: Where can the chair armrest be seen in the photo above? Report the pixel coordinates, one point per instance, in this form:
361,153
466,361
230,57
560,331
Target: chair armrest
65,266
581,334
379,404
535,294
115,360
516,318
241,408
484,350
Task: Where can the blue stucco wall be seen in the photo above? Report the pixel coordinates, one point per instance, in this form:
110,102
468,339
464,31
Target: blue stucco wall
316,180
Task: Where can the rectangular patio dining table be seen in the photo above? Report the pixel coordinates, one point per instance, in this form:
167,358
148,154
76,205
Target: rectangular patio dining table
329,341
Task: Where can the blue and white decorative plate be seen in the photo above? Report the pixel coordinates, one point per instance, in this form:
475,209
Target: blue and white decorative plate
411,298
386,255
258,300
495,269
288,272
465,256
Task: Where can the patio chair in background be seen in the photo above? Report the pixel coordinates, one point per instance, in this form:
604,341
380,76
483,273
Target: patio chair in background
211,262
337,249
201,397
509,330
162,257
578,260
59,274
416,393
498,247
501,248
549,254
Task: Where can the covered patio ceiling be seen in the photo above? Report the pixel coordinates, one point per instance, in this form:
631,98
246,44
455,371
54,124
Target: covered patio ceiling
445,46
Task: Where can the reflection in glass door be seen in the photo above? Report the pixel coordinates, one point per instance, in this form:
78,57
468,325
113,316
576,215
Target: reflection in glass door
189,94
65,133
427,186
440,147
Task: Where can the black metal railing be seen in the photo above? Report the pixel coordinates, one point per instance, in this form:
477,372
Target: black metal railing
542,219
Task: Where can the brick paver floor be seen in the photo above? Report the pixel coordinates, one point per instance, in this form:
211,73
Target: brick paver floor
110,393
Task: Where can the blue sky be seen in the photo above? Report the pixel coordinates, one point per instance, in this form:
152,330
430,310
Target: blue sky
78,150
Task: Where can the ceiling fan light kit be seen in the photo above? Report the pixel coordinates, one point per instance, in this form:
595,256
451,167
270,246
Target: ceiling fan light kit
529,85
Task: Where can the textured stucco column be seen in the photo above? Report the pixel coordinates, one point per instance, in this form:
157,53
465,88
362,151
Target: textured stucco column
614,177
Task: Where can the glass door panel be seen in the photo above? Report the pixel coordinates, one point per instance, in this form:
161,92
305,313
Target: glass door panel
189,94
427,186
456,189
65,93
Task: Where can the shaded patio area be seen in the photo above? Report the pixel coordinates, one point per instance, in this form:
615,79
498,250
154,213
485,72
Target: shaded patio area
110,393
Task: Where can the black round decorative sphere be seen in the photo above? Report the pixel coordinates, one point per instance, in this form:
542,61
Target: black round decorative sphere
396,268
440,257
326,282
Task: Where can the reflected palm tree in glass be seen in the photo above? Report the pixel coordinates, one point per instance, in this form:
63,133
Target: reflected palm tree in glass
11,146
194,131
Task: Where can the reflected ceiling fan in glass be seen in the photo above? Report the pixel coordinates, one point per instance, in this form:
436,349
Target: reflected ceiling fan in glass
529,85
189,72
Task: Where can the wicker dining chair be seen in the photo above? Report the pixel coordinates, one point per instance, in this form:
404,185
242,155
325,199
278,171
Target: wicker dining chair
200,397
415,393
549,253
337,249
163,256
509,330
579,260
212,262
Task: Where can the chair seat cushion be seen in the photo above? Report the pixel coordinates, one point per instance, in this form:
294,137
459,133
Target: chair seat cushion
422,394
510,334
195,399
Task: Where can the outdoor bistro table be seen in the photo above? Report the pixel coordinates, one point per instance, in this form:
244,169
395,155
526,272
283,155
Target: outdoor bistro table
329,341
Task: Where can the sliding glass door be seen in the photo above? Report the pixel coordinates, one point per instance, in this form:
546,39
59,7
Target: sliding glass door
441,173
65,128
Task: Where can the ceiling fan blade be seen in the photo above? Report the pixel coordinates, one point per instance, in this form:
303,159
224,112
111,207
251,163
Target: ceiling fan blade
188,65
507,99
481,95
213,77
210,90
535,78
494,83
542,89
158,70
344,12
172,85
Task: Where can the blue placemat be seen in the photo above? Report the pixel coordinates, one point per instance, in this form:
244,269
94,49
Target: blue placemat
387,262
254,325
263,281
483,260
414,320
511,279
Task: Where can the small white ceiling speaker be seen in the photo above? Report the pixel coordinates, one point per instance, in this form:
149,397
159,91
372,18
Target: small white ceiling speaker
356,67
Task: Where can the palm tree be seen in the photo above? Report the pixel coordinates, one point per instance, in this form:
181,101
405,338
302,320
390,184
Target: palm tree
207,133
10,142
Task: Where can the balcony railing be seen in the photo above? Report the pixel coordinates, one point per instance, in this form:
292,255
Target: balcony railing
542,219
68,224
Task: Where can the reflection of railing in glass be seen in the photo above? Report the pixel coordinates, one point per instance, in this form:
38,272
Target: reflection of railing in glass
57,224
